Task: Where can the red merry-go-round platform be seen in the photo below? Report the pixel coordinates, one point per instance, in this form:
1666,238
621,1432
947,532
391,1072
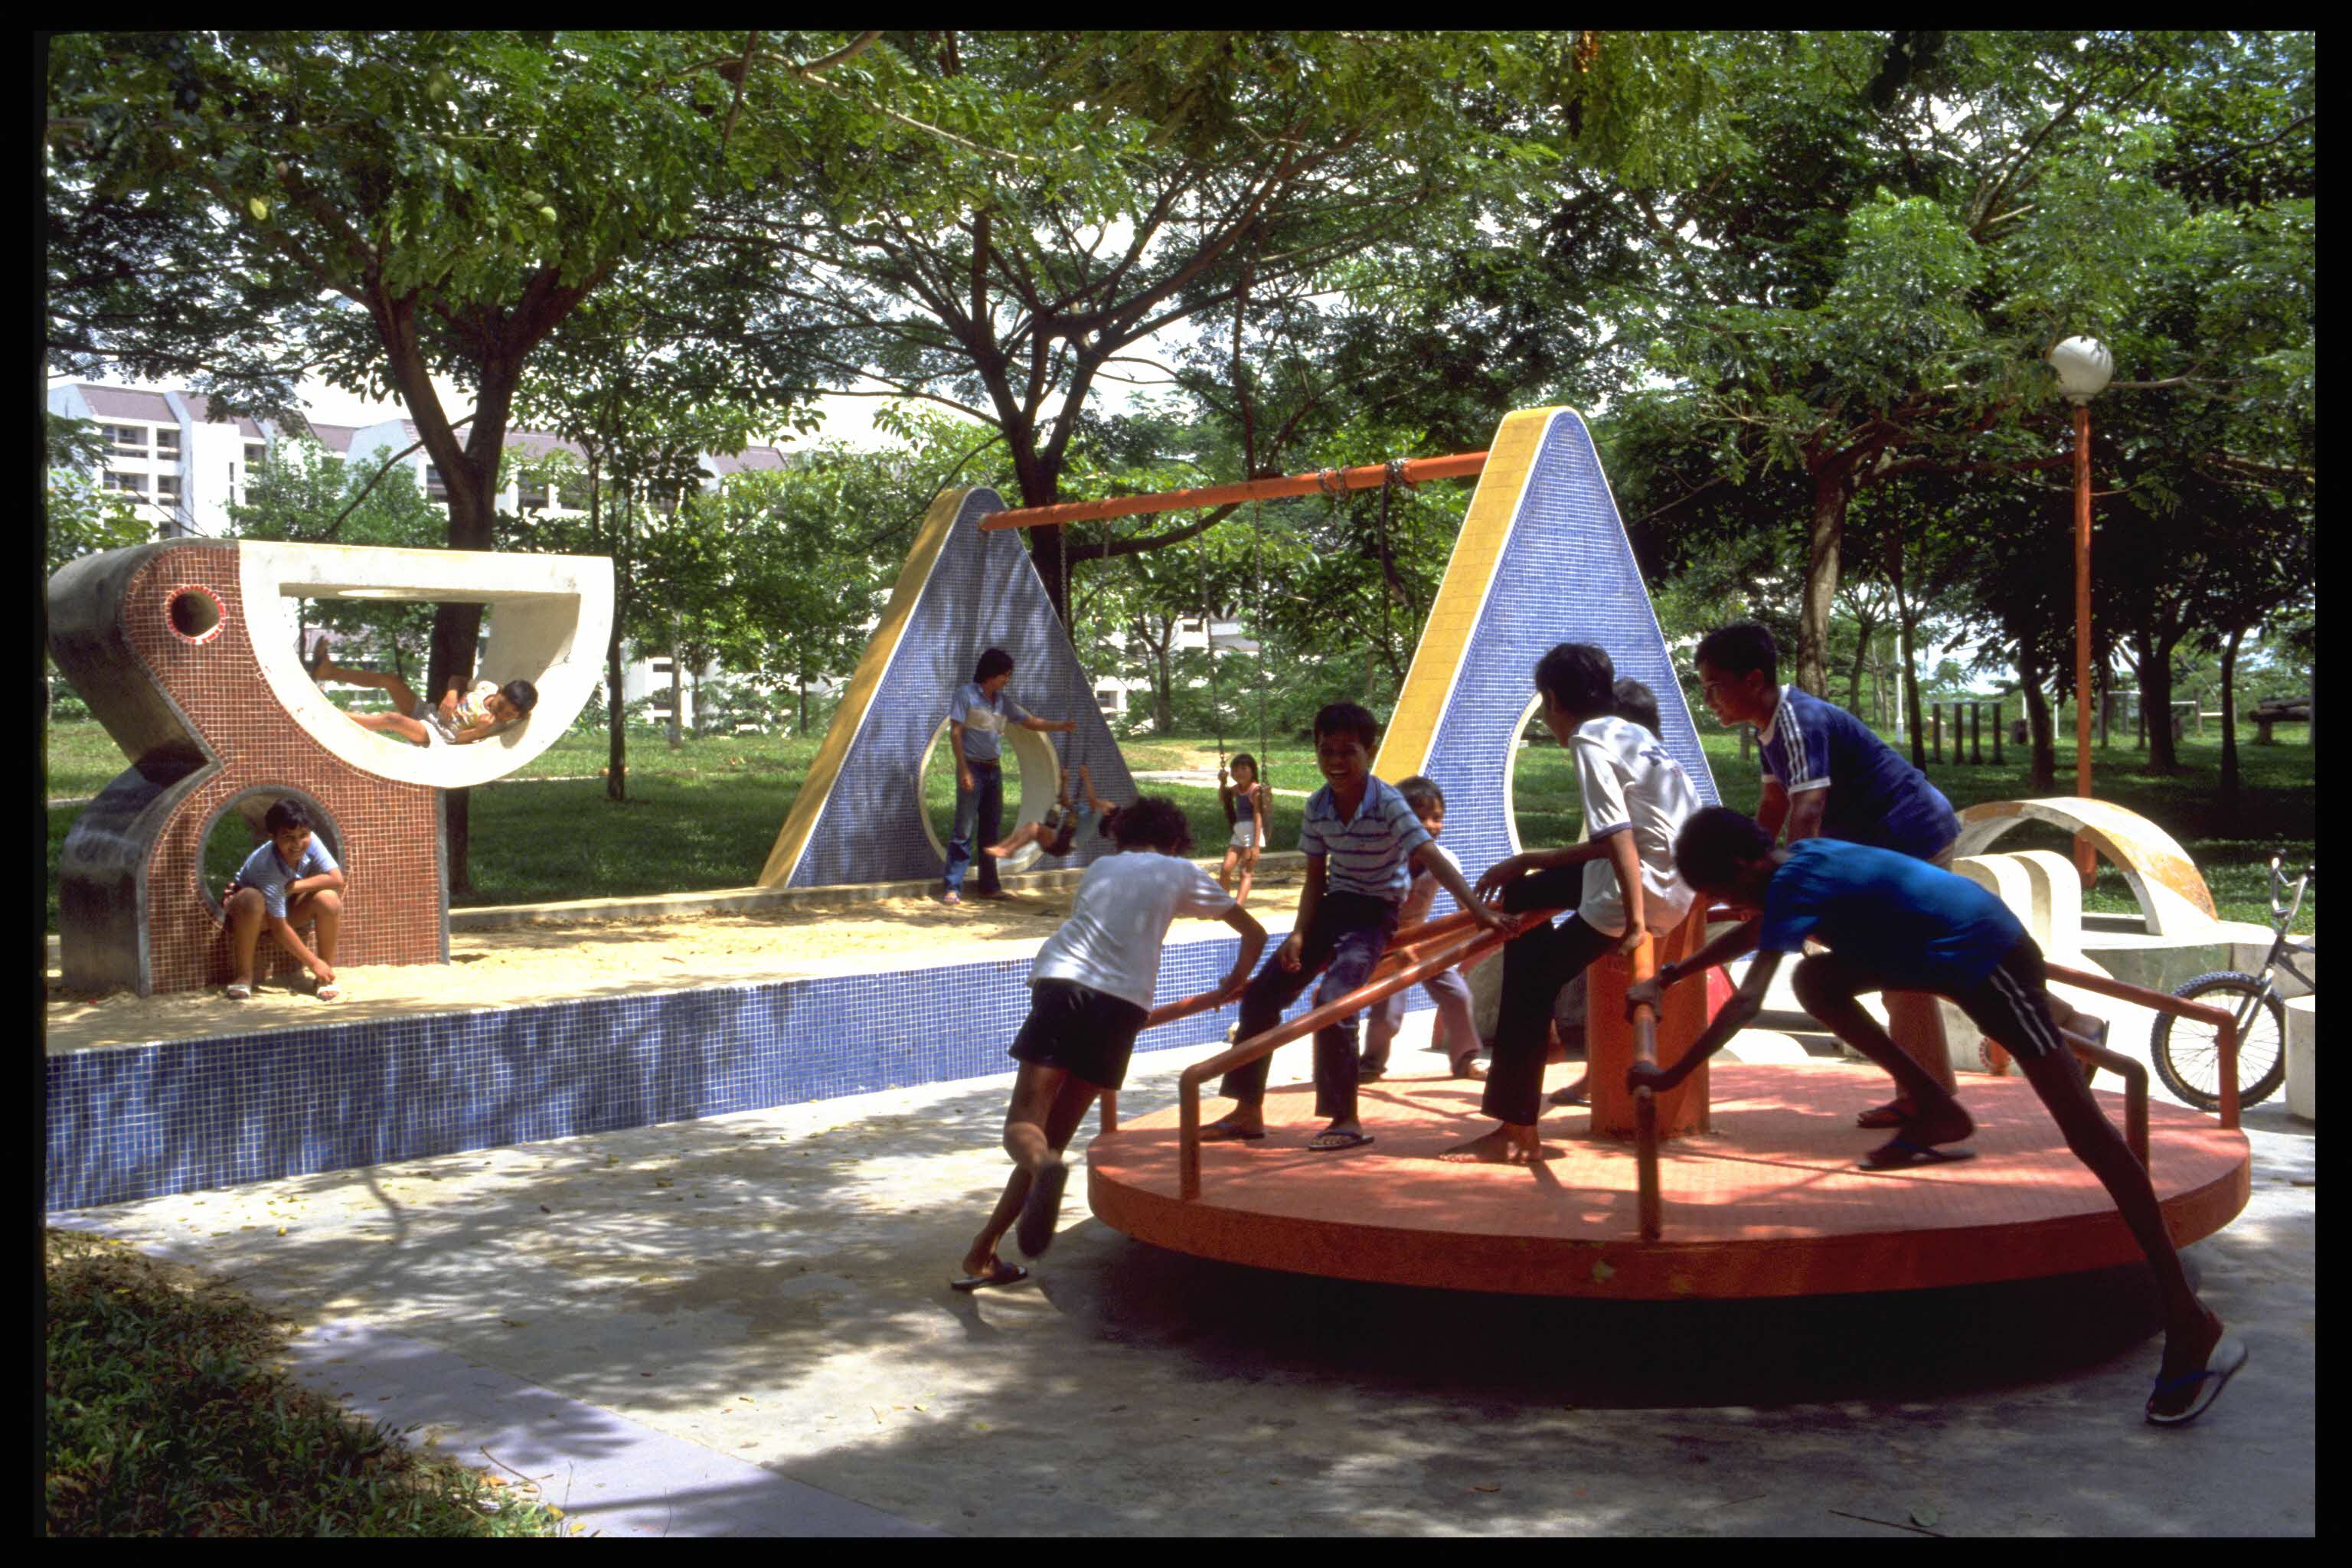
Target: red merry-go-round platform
1767,1203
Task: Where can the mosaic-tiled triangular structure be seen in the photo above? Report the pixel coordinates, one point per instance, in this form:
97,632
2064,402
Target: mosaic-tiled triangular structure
1542,558
859,817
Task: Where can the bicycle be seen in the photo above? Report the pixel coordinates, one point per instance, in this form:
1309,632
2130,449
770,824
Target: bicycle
2188,1058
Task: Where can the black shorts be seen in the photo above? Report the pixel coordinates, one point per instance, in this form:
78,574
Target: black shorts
2011,1005
1086,1033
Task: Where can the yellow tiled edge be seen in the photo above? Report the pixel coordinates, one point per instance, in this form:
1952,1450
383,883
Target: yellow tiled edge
1486,529
850,717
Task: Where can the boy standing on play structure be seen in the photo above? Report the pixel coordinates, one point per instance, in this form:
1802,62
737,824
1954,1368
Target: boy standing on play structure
1621,882
1361,842
1890,919
1091,989
289,883
977,718
1828,774
1457,1030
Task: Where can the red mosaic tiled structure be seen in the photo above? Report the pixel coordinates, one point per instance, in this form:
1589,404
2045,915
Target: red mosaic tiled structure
157,640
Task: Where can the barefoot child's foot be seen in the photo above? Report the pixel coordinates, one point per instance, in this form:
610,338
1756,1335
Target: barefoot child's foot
1505,1145
1234,1127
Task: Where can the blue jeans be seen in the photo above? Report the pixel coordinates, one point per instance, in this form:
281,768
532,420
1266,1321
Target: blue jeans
980,807
1457,1031
1349,934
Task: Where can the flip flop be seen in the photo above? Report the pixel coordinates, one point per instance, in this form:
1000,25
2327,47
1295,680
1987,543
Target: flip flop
329,992
1572,1094
1226,1132
1468,1068
1371,1075
1342,1140
1004,1274
1890,1114
240,993
1034,1234
2226,1360
1899,1154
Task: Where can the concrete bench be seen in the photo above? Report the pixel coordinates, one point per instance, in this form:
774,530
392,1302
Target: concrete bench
2302,1047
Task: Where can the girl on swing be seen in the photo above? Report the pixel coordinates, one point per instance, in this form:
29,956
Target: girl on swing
1244,798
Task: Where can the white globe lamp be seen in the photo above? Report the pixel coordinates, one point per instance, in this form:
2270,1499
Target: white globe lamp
2083,366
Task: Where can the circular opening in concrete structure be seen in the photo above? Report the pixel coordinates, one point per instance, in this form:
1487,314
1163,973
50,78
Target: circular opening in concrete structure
235,831
196,613
1039,781
1540,806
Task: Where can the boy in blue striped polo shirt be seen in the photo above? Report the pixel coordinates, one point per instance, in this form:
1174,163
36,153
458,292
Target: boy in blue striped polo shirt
1361,842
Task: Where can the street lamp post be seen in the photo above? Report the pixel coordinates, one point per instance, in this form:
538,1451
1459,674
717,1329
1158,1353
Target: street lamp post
2083,367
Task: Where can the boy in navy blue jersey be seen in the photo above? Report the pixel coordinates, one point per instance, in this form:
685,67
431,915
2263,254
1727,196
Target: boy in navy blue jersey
1891,919
1362,843
1828,774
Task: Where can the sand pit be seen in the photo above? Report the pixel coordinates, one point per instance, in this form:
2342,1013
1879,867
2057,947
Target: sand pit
546,961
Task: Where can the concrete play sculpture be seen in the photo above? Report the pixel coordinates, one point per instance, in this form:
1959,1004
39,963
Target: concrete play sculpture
186,652
2170,891
860,816
1542,558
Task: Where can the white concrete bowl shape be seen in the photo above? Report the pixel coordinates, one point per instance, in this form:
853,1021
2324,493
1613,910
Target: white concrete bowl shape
552,616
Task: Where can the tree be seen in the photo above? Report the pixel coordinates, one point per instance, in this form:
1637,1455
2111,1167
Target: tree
81,516
379,208
1194,174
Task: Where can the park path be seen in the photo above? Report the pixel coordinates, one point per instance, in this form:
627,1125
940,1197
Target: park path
765,1293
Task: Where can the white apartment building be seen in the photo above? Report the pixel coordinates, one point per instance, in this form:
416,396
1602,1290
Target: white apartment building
183,467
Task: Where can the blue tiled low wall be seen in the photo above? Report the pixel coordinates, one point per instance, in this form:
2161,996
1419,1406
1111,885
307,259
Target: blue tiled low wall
138,1122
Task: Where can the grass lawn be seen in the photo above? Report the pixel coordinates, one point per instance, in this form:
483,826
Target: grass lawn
706,816
165,1419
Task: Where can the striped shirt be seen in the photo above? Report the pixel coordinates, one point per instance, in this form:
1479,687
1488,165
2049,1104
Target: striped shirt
1368,852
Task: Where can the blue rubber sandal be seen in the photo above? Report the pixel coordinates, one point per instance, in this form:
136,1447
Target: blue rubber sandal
1003,1274
2226,1361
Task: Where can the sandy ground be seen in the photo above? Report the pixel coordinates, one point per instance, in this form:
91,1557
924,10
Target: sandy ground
771,1286
545,961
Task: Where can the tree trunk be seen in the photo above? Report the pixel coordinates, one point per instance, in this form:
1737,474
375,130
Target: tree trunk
616,750
1163,710
1046,555
2156,700
1822,543
1906,628
2042,776
2230,716
1860,657
803,730
677,684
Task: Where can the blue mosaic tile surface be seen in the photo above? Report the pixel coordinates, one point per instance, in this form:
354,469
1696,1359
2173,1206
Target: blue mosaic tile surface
1567,575
981,593
140,1121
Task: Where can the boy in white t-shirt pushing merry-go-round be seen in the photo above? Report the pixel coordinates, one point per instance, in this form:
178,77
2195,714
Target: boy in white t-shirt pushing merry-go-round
1091,991
1621,881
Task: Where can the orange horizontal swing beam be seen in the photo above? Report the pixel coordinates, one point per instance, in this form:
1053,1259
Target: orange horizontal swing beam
1414,471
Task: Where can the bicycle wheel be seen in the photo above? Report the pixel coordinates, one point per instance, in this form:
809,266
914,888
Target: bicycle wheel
2187,1054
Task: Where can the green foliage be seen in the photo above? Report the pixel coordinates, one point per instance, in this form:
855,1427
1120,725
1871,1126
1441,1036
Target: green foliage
83,516
162,1419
